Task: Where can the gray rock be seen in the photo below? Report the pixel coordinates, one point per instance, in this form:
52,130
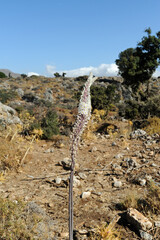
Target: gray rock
86,195
76,182
138,134
142,182
58,180
118,156
8,115
20,92
117,184
65,163
82,175
137,219
48,95
144,235
93,149
131,162
157,224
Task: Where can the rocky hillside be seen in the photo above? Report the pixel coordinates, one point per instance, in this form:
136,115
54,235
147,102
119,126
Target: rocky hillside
117,177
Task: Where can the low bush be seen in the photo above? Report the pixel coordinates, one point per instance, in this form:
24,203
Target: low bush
7,95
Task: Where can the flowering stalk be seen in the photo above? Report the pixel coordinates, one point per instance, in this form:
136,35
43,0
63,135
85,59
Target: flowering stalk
84,114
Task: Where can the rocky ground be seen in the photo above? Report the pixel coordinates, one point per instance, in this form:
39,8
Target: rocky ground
107,170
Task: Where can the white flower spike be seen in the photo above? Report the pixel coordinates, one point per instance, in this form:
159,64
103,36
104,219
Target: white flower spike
84,114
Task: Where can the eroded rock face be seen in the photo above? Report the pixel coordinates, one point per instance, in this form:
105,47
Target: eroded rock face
8,115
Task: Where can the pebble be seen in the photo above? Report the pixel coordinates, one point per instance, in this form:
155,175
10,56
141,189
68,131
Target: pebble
93,149
82,175
157,224
86,195
117,184
58,180
64,234
114,144
76,182
142,182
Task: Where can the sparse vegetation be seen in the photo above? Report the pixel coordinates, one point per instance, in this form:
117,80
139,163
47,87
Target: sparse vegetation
7,95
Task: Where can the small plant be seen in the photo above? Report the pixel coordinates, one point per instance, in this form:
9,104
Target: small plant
49,125
108,232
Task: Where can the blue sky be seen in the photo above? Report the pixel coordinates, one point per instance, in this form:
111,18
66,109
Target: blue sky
73,36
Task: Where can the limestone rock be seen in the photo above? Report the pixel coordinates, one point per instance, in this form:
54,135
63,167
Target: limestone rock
138,220
8,115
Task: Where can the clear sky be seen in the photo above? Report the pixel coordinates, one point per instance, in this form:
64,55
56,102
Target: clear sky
73,36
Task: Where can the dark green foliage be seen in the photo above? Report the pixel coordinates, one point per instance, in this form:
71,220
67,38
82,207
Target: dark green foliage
23,75
63,74
7,95
136,65
102,97
140,110
57,74
82,78
2,75
49,125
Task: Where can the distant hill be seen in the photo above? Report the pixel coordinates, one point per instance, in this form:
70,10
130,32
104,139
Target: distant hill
12,74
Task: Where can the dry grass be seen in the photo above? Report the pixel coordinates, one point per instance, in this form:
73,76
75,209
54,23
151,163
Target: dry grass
108,231
12,225
12,149
154,126
148,204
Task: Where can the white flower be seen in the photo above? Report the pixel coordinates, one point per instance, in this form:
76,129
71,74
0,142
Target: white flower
84,113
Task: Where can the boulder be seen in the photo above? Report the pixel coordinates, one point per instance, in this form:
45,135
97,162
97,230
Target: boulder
8,115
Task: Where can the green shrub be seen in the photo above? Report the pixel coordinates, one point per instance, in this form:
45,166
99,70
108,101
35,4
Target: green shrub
140,110
7,95
49,125
103,98
2,75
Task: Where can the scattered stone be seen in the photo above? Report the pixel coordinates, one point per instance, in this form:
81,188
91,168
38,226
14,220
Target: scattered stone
50,150
131,162
145,235
93,149
82,231
64,234
118,156
65,163
8,115
117,183
85,195
142,182
20,92
82,175
157,224
137,219
76,182
58,180
138,134
153,165
114,144
48,95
